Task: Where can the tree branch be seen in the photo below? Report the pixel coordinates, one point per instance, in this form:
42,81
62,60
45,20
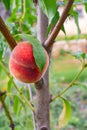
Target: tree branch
4,30
41,25
50,40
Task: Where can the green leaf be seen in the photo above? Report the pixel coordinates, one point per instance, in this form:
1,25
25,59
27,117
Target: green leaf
76,21
83,85
39,53
1,49
7,4
17,104
66,113
48,7
27,93
21,89
53,22
75,15
85,6
79,55
55,18
63,29
9,86
8,101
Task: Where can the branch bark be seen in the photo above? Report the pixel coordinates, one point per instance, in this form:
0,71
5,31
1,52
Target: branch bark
50,40
4,30
42,119
42,24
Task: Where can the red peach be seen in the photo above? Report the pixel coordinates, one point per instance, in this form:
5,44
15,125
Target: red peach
22,63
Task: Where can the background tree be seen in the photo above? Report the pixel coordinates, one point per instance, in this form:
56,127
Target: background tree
42,20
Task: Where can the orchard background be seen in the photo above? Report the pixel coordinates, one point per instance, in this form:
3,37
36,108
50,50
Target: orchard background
58,100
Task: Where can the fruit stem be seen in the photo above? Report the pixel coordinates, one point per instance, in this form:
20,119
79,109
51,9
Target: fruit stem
21,94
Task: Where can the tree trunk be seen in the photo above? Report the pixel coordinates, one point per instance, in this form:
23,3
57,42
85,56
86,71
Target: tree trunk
42,120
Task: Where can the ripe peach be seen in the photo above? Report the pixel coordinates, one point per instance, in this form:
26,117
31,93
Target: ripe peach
22,63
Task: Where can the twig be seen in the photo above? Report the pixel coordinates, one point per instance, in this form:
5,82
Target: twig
70,85
4,30
49,42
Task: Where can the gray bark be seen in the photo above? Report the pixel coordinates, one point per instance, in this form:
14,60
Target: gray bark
42,23
42,119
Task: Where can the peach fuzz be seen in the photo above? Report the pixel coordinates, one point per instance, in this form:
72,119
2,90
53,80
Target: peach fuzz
22,64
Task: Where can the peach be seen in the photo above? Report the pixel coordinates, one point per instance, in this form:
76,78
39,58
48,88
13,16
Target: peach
22,63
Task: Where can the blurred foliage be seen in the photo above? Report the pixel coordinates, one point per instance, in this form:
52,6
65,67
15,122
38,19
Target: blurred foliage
22,122
3,48
23,15
72,37
62,72
22,18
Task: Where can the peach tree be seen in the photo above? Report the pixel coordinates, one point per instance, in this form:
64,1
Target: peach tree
30,31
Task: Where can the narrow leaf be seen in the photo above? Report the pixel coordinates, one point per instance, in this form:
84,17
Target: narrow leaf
1,49
48,7
27,94
63,29
21,89
75,16
17,104
83,85
39,53
8,101
53,22
9,86
76,21
66,113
